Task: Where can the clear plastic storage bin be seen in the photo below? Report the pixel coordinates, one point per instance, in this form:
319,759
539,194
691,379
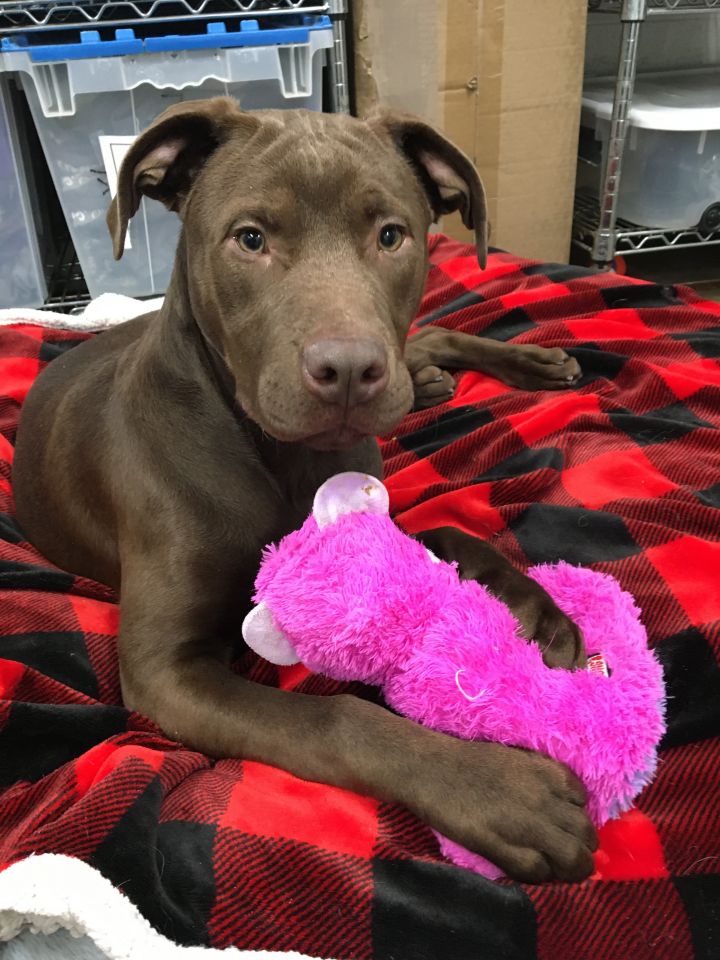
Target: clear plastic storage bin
77,96
670,176
22,281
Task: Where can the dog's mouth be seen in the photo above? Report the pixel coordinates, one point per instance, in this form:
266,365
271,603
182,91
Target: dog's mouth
338,435
325,427
287,411
335,433
342,437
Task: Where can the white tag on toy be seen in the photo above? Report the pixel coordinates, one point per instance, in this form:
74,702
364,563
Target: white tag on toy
598,664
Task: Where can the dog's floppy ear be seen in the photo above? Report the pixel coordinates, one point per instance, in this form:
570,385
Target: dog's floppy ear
165,159
449,178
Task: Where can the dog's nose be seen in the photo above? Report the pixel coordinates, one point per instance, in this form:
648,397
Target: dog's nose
345,371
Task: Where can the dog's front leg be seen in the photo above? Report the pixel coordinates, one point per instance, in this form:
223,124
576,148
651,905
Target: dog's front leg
541,619
522,811
432,351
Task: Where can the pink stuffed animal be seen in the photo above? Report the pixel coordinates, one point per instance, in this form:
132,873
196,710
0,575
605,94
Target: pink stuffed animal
353,597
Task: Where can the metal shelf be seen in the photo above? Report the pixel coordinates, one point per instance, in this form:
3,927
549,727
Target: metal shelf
633,238
67,290
28,15
601,232
656,6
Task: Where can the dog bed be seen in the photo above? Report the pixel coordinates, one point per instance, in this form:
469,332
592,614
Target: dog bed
620,473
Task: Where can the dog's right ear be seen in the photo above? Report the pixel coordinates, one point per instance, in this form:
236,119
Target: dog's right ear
166,158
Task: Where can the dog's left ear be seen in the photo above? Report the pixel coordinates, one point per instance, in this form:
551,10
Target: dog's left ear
449,178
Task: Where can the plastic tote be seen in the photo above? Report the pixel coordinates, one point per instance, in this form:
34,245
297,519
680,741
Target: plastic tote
22,281
670,175
98,94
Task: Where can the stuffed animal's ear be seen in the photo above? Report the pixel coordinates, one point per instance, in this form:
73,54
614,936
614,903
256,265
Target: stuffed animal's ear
262,634
349,493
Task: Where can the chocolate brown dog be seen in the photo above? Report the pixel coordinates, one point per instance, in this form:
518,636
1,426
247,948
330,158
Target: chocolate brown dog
161,456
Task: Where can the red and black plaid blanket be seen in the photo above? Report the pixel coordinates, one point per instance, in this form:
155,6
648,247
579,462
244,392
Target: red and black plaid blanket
621,473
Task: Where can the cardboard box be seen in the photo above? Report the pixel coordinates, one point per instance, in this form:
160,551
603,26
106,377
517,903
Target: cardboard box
503,80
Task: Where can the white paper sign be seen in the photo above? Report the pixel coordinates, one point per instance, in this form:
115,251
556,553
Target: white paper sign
113,151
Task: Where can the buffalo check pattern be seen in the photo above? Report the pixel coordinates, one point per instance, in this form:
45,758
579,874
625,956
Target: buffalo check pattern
621,473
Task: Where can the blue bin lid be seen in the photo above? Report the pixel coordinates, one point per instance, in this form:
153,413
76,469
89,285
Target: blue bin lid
125,41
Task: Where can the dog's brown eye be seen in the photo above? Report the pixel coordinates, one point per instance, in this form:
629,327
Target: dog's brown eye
250,240
391,237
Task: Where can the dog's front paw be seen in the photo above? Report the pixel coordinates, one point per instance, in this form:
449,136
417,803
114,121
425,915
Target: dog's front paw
538,368
432,386
522,811
542,621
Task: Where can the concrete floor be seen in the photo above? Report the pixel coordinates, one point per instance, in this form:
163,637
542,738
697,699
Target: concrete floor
709,290
697,266
56,946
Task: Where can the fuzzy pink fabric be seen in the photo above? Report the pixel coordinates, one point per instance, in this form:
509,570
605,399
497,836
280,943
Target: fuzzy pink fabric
360,600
